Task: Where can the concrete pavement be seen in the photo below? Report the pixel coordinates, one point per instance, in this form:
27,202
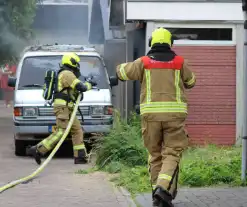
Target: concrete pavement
57,186
4,111
203,197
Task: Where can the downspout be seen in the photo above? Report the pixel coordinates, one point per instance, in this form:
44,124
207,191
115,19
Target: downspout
244,142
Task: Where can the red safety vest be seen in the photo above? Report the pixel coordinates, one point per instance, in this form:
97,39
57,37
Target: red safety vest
175,64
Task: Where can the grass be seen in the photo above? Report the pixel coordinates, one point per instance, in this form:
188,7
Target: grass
122,153
210,166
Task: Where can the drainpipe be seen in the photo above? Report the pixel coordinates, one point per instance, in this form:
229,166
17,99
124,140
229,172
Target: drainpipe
126,48
244,141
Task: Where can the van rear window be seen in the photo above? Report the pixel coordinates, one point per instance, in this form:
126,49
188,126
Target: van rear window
34,68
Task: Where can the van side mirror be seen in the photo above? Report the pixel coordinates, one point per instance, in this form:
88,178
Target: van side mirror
113,81
11,82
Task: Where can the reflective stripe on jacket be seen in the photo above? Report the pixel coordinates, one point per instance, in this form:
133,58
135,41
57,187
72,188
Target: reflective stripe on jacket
162,83
67,79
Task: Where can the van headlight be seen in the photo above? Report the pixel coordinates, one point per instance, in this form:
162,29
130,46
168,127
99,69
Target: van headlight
101,110
30,111
97,110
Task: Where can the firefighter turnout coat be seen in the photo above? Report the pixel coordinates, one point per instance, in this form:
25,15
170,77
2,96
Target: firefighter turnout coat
163,107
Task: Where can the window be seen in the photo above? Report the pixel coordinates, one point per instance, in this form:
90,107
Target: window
116,18
34,68
202,34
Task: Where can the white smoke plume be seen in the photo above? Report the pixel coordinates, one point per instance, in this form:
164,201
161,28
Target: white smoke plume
10,43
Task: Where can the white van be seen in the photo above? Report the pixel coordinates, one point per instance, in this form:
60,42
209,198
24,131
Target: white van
33,116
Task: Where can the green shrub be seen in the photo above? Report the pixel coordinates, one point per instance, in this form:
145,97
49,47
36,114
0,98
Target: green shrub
135,180
124,144
122,151
210,166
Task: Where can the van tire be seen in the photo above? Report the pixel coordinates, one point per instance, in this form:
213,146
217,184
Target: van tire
20,148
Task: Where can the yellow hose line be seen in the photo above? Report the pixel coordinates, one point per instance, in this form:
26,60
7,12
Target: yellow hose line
41,168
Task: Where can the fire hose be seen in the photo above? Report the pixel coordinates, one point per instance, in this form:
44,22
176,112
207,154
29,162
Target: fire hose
48,159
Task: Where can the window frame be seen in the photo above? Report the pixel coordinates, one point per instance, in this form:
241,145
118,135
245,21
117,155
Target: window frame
197,26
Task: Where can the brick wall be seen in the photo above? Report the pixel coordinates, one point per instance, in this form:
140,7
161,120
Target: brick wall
212,103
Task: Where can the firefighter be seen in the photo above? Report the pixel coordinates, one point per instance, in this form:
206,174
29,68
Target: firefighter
164,76
68,86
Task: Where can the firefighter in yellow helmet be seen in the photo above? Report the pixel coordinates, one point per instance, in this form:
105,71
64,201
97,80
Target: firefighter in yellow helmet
164,76
67,89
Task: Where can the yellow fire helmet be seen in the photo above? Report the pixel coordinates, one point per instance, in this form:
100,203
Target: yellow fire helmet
71,60
162,36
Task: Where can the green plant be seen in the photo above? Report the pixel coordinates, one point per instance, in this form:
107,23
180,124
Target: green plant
122,152
211,166
87,171
135,180
123,144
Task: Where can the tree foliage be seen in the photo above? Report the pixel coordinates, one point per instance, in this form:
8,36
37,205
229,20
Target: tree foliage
16,18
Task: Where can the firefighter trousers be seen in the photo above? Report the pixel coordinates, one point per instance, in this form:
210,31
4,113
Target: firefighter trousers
165,142
63,114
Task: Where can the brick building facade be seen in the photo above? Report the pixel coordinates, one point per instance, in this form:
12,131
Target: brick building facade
211,35
212,103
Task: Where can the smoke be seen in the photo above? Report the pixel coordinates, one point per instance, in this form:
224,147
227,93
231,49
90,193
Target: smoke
62,24
10,44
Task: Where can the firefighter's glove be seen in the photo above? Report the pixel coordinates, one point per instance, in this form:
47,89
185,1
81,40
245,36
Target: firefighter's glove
88,85
82,87
92,81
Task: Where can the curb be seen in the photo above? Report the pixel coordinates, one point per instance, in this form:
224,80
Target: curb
120,192
128,197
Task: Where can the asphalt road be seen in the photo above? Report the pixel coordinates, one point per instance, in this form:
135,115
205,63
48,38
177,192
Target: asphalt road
57,185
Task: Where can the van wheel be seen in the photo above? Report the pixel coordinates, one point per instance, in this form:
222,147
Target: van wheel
20,148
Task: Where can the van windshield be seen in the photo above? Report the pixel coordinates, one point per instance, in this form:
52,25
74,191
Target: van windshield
34,68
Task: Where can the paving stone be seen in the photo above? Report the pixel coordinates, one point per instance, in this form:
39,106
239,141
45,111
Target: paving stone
203,197
57,185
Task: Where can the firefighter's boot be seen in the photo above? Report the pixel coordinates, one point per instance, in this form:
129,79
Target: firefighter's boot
82,157
161,198
156,201
33,151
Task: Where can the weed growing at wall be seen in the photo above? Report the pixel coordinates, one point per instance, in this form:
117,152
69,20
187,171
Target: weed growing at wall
122,153
123,144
